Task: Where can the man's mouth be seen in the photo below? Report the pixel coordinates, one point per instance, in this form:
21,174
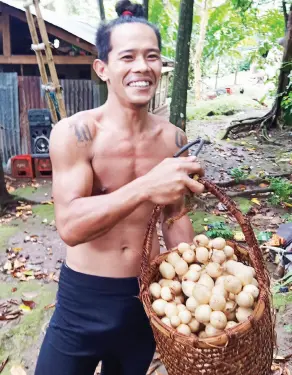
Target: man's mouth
140,84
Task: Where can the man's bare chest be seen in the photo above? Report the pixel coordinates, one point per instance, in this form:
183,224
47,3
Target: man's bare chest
121,162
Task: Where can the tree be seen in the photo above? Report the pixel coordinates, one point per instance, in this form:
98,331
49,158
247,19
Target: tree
283,100
146,8
4,195
199,48
101,10
165,16
181,70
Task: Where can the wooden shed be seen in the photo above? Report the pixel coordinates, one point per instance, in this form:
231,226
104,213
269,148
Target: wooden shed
20,79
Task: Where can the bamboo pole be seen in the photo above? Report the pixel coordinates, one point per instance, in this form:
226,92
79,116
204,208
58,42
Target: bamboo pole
41,64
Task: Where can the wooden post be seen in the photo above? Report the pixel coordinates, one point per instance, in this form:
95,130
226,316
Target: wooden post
50,60
6,35
41,64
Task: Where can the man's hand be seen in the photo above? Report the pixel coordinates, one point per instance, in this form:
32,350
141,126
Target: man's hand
169,181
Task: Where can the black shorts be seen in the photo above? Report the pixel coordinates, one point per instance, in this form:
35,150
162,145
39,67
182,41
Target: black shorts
96,319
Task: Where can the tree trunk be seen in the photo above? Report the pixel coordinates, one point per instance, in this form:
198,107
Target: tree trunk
285,70
101,10
181,72
146,8
275,115
235,75
199,49
4,195
285,13
217,74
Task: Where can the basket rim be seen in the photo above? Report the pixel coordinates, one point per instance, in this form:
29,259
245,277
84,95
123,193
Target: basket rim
220,340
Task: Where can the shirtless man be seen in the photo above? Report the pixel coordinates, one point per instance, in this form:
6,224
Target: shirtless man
111,165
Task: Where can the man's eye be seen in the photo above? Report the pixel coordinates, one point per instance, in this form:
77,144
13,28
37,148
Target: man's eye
127,57
153,57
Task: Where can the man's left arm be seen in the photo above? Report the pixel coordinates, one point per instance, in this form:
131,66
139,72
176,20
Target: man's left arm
176,231
181,230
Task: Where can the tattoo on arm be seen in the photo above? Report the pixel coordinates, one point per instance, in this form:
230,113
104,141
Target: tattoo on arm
82,133
180,138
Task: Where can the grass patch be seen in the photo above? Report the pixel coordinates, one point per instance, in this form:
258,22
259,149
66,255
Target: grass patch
6,232
44,211
244,204
281,300
15,340
201,218
222,106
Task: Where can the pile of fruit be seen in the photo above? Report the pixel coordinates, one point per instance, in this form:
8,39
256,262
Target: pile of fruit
204,289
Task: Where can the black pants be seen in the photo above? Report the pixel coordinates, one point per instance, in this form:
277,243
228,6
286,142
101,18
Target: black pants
96,319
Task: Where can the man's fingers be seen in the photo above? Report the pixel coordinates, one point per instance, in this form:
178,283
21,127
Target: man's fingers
192,168
194,186
186,159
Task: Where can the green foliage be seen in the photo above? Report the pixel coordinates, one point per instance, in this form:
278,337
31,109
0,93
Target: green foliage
282,189
238,174
165,16
288,328
287,218
244,65
220,106
219,229
286,102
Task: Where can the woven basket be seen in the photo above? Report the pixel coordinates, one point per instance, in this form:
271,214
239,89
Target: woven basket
246,349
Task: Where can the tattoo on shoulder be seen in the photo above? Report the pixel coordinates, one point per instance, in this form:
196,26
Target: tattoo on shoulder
83,134
180,138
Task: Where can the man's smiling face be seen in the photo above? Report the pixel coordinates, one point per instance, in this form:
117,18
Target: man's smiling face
134,63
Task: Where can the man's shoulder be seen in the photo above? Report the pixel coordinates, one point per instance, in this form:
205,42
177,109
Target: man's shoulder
167,126
81,127
172,134
76,133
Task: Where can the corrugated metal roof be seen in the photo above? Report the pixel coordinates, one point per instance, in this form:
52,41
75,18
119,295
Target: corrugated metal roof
70,24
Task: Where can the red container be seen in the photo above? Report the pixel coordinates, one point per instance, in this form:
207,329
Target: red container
228,90
21,166
42,167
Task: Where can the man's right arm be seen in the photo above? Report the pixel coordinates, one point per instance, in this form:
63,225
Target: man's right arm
81,217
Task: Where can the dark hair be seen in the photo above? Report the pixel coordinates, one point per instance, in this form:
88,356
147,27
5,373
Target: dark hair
104,31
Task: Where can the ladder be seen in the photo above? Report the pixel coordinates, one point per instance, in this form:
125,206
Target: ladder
53,90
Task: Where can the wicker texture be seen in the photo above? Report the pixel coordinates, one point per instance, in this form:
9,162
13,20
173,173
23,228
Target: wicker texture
246,349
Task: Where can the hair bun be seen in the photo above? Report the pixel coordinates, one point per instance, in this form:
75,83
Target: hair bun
125,5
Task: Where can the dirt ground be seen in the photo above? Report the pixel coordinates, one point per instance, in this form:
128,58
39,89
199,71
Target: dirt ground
32,238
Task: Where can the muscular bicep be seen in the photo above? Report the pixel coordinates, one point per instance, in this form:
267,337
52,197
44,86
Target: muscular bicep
72,171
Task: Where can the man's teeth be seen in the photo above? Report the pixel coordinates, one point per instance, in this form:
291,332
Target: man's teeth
139,84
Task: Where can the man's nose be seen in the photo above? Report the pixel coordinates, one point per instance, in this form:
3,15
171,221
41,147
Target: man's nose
140,65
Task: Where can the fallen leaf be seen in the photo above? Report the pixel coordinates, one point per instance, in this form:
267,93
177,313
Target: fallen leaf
29,296
25,308
28,273
30,304
256,201
48,202
50,306
239,236
17,264
8,266
279,358
16,249
17,370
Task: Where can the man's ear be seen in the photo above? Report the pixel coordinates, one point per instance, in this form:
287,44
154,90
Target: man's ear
100,68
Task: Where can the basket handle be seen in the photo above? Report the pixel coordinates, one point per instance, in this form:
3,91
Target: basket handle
254,251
